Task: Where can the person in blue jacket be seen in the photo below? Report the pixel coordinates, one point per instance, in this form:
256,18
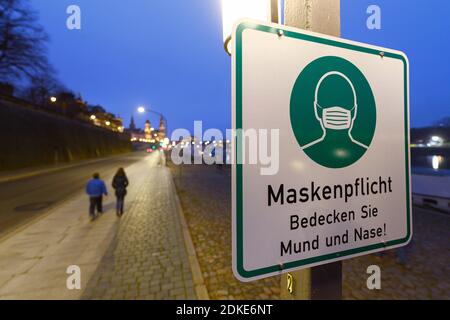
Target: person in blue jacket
96,188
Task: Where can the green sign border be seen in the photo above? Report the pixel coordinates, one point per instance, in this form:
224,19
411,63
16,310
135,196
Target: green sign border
239,188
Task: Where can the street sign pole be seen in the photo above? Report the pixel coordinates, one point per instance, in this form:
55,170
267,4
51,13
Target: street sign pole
337,107
325,281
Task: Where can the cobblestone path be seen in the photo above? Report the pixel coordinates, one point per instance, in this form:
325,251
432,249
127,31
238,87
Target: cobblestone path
205,197
424,273
147,259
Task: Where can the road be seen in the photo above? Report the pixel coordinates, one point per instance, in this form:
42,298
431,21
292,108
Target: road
26,199
141,255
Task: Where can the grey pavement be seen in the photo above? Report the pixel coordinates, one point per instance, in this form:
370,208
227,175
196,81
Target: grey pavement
147,259
30,194
141,255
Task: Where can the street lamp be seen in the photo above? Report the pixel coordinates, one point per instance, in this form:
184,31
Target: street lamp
436,138
435,141
233,10
436,161
141,109
93,117
107,123
53,99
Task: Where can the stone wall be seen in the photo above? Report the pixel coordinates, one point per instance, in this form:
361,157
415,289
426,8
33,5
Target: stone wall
31,137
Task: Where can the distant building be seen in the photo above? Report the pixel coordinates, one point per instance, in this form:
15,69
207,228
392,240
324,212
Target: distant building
162,130
135,133
430,136
132,126
117,125
148,131
149,134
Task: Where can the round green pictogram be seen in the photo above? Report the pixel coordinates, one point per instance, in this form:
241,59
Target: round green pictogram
333,112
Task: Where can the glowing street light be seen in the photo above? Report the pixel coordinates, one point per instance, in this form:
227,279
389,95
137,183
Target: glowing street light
435,141
53,99
436,138
436,161
233,10
141,109
108,123
93,117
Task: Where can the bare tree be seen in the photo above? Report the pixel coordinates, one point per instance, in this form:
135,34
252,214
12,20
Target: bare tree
22,43
41,88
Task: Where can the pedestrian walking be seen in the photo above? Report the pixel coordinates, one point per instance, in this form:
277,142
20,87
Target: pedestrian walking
120,184
96,189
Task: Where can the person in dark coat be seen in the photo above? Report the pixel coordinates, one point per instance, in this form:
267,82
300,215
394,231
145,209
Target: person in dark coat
120,184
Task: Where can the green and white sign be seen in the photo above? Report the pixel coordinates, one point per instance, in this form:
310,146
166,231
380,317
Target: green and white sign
343,184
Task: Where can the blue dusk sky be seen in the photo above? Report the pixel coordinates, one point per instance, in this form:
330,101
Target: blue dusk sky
168,55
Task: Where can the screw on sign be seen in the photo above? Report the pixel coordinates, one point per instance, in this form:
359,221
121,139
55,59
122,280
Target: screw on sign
290,283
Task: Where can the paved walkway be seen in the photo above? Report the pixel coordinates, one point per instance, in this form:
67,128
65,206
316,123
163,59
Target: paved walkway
424,273
141,255
147,259
205,195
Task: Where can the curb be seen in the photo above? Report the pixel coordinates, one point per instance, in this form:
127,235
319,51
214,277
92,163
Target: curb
197,276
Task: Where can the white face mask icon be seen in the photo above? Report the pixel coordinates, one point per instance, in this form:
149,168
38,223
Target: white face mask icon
336,118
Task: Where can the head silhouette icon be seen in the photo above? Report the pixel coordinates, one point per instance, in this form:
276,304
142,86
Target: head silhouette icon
335,111
336,108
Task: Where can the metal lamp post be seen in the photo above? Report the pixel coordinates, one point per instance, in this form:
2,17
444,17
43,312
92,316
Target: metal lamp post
233,10
142,109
